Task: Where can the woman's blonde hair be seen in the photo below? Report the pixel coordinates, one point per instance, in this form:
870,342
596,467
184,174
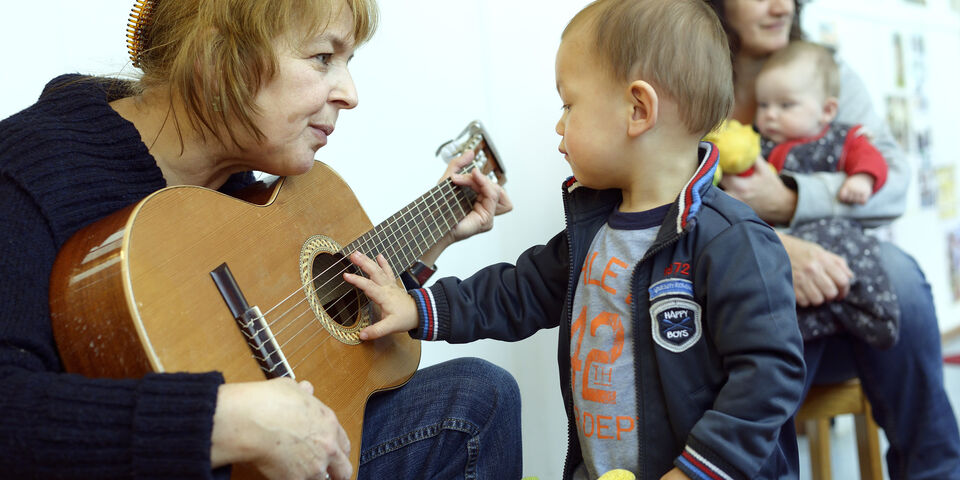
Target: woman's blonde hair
679,46
217,54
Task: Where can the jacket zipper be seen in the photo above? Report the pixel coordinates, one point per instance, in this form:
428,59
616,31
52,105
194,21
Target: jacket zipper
564,329
641,444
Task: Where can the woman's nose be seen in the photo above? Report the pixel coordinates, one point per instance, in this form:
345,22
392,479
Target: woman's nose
344,92
781,7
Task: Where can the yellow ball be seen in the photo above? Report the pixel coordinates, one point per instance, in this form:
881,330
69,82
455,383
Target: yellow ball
738,146
618,474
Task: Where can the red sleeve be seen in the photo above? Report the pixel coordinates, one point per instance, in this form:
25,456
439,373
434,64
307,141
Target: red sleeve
860,156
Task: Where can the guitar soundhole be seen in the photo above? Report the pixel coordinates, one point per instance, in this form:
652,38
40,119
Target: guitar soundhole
337,297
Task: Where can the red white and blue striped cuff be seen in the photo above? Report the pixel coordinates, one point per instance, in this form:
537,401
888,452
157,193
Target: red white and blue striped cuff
699,468
427,309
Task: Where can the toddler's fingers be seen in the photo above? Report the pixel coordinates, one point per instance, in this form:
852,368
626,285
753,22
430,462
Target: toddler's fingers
306,386
374,331
379,271
385,266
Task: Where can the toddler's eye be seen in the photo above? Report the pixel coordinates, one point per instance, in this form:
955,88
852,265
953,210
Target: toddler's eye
324,58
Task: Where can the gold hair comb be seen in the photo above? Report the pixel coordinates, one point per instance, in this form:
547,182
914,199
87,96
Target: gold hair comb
140,16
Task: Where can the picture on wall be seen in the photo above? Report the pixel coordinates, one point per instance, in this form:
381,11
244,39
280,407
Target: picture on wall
898,118
899,69
927,182
953,253
946,196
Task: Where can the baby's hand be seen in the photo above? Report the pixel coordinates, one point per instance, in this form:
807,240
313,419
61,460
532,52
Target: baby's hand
857,188
397,308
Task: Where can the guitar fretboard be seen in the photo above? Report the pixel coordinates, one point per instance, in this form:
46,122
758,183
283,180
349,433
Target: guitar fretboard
409,233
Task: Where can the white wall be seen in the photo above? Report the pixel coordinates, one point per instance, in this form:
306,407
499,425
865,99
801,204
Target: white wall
433,66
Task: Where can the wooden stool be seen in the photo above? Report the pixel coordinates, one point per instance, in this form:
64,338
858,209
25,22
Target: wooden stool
822,404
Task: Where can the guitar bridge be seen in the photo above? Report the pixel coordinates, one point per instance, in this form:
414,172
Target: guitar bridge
254,326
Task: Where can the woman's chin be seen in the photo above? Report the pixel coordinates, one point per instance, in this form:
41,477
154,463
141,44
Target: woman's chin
303,167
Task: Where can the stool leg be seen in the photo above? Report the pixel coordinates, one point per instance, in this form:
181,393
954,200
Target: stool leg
818,434
868,445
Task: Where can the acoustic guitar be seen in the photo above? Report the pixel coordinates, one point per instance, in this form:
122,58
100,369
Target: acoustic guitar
192,280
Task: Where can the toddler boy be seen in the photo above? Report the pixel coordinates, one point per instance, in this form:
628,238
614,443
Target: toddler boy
679,352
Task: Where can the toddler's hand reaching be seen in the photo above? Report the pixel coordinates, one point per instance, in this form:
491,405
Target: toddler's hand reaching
398,310
857,188
675,474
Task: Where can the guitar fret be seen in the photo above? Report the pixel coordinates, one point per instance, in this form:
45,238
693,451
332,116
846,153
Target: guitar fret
420,230
408,234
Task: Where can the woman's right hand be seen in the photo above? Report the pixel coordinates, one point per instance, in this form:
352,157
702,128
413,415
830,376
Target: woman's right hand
818,275
764,191
281,428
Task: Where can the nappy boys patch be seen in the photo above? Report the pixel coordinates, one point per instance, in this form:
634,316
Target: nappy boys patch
676,323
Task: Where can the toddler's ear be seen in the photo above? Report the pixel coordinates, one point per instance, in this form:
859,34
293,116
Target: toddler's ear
829,110
645,105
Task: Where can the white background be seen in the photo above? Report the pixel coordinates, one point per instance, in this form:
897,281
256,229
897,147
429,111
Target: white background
433,66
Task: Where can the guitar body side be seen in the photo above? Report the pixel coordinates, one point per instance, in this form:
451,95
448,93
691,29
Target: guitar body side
134,294
88,304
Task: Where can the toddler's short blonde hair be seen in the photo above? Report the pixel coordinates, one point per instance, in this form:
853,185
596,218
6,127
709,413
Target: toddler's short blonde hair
678,46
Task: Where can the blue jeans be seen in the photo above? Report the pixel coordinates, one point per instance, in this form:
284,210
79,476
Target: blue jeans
904,383
458,419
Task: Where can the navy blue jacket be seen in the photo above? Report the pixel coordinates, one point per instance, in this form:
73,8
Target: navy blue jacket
717,401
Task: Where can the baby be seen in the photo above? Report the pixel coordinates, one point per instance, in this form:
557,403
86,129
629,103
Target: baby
797,94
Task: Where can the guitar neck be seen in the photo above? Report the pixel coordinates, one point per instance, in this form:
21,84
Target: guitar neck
408,234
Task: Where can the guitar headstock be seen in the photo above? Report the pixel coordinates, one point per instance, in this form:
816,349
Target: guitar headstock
475,137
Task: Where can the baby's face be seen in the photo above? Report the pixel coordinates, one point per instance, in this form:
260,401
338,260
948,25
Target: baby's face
791,103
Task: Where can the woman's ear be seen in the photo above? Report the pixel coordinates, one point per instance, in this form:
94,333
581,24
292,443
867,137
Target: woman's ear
644,104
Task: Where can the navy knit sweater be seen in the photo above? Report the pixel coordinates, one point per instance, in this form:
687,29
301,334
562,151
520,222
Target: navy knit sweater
65,162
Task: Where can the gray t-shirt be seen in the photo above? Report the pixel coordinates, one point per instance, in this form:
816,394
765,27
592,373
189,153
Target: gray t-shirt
601,344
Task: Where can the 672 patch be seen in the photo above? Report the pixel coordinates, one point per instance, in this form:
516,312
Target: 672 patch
675,323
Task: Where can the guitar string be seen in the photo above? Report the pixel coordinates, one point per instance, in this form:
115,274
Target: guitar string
450,221
345,261
366,243
450,202
290,353
341,261
451,188
311,322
